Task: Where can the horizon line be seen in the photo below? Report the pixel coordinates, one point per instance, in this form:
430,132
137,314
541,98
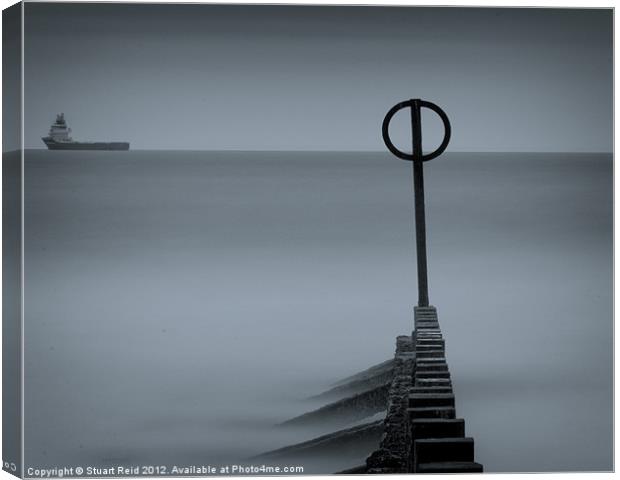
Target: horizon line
322,151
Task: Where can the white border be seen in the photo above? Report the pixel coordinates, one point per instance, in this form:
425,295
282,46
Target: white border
479,3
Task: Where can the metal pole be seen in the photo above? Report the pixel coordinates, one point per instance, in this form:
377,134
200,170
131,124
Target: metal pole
418,159
418,189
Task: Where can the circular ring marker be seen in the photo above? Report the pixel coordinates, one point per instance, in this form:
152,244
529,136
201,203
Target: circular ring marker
413,104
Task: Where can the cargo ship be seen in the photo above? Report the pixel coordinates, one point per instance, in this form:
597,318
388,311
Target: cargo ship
58,139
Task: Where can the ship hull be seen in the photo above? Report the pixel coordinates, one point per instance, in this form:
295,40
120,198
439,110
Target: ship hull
52,145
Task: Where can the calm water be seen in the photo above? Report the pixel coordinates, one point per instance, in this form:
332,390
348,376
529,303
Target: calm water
178,304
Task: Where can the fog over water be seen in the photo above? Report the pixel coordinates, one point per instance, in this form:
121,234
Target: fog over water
179,304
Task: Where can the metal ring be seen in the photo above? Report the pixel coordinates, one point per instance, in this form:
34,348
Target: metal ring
411,156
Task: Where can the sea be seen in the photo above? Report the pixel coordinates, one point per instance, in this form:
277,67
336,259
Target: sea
179,305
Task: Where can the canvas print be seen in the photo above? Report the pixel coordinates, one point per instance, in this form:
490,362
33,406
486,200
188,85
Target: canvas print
300,240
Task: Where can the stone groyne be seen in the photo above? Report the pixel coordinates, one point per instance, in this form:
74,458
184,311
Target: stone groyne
421,431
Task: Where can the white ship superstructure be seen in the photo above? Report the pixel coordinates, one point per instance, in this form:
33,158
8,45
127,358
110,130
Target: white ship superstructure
59,132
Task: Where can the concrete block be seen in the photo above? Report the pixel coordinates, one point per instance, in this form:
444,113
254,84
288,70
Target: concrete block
431,400
423,359
437,427
422,331
435,450
427,326
433,382
436,353
429,339
426,323
431,367
430,390
424,335
431,412
434,374
424,347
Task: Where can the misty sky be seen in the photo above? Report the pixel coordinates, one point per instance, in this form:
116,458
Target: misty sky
318,78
